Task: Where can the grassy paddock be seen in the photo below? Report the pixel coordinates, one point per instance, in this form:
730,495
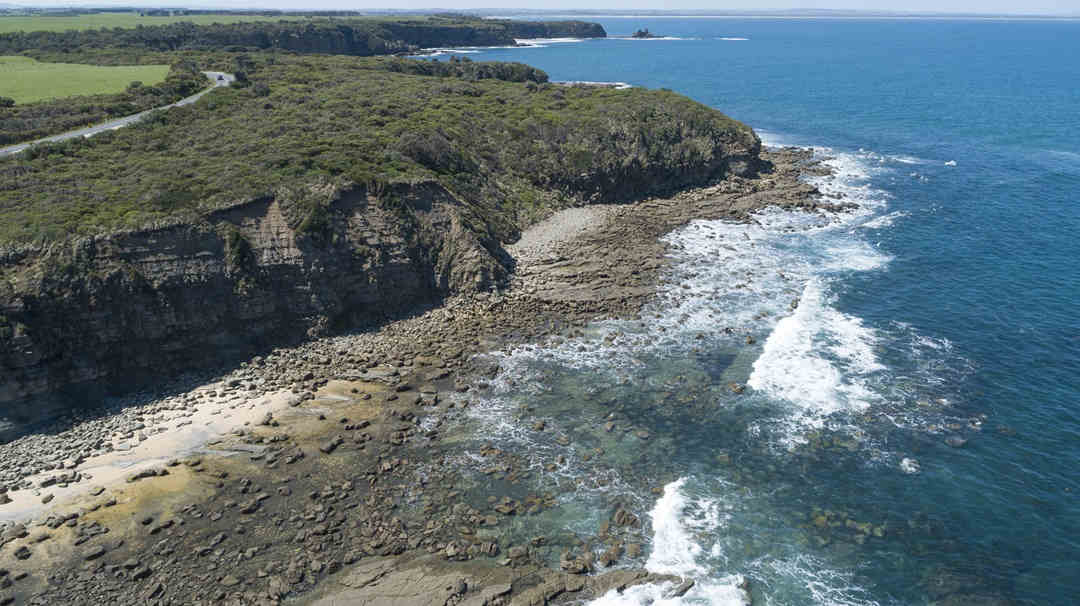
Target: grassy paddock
27,80
40,23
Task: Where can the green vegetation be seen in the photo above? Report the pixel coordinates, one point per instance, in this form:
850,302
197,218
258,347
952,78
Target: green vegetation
26,80
139,51
63,23
26,122
353,36
309,127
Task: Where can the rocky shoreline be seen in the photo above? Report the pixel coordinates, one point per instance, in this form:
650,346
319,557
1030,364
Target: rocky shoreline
322,462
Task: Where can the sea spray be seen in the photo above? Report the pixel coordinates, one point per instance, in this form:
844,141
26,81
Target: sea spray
817,358
675,551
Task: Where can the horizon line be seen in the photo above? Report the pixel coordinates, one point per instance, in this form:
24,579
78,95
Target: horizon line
582,12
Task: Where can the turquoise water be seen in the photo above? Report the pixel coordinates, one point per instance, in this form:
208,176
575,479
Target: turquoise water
944,309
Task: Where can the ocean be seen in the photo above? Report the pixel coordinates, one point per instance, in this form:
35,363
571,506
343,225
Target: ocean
909,431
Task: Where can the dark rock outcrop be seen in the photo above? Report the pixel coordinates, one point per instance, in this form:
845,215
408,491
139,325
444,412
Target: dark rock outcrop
126,309
555,29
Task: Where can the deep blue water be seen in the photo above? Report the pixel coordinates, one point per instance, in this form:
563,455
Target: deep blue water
947,307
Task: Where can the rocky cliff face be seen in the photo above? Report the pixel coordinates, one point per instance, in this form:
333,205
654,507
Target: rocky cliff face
555,29
123,310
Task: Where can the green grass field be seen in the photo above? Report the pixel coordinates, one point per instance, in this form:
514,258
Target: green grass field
125,20
27,80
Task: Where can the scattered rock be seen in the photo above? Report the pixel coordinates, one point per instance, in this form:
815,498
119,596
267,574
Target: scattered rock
329,446
95,552
679,590
147,473
230,581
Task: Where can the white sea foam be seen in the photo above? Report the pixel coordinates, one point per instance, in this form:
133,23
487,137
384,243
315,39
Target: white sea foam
850,182
616,85
770,139
885,159
541,42
707,593
931,343
439,52
850,254
676,521
674,550
818,359
733,39
907,160
806,575
884,220
1062,153
653,39
680,527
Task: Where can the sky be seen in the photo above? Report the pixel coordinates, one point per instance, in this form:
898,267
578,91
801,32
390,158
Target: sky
1049,7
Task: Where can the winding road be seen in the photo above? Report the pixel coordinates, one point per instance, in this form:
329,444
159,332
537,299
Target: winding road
219,79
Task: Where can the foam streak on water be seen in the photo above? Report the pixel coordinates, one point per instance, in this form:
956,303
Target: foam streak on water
542,42
817,357
675,552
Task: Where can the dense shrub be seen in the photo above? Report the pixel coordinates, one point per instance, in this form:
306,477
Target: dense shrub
356,36
509,151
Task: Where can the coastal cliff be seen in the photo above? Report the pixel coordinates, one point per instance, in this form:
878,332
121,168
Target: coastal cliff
280,258
131,307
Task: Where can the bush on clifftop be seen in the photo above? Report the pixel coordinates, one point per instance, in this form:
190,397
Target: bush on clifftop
509,151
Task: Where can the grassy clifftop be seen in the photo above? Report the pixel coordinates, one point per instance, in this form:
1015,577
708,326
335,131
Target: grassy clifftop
508,144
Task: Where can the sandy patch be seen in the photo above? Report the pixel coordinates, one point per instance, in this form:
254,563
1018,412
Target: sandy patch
176,435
